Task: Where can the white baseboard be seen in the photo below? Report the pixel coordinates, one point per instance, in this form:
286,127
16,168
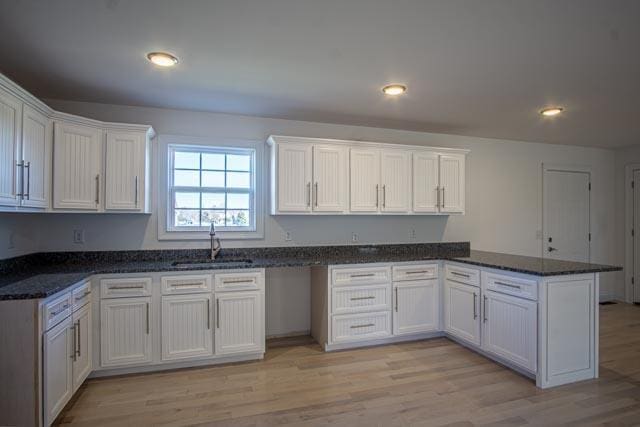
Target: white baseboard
382,341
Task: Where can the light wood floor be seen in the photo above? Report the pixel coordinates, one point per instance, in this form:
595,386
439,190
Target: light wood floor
427,383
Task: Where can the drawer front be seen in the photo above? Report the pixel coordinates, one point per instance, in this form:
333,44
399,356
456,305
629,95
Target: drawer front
516,286
193,283
360,327
81,295
243,281
470,276
360,298
353,276
57,310
125,287
415,272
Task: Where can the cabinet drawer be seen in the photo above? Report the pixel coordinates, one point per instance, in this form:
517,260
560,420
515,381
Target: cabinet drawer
470,276
242,281
360,298
81,295
193,283
415,272
360,327
125,287
360,276
516,286
56,311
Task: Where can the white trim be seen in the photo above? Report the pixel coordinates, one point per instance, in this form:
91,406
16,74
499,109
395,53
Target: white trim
162,175
628,226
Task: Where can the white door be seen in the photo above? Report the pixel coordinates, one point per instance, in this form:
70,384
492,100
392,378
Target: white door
125,171
77,158
239,322
37,133
426,197
187,330
82,353
57,369
10,123
636,235
294,177
510,328
462,311
395,179
416,307
329,178
125,331
452,183
566,215
364,180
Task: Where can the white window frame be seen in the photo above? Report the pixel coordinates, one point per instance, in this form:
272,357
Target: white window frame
167,144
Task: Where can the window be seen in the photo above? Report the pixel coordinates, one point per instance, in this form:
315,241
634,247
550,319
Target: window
211,185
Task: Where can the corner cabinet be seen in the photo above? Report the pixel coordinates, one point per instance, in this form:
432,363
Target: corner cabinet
333,177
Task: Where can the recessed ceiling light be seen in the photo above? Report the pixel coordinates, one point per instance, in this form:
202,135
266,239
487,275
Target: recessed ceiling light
394,89
551,111
162,59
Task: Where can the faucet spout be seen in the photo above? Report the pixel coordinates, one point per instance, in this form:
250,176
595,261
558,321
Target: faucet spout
215,242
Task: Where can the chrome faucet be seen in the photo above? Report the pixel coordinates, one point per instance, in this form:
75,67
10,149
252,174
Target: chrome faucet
215,243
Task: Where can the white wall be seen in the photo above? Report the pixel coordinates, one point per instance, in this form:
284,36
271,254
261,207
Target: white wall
18,234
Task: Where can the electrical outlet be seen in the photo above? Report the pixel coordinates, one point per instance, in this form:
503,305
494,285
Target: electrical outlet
287,236
78,236
412,233
12,240
354,237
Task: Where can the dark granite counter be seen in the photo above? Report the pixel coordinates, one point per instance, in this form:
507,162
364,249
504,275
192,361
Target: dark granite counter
44,274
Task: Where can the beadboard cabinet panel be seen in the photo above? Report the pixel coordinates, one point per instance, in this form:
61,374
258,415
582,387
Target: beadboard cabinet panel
329,178
416,307
37,133
365,180
239,322
452,178
10,125
426,197
125,330
186,326
125,171
294,166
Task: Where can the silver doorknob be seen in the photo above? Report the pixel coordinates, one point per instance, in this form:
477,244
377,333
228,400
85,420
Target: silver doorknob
550,249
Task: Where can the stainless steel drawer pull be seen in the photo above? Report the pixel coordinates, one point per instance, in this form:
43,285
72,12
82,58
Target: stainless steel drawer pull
127,287
178,285
55,313
363,275
396,300
361,298
455,273
74,354
475,302
509,285
363,326
208,314
238,281
147,318
83,295
417,272
79,345
484,311
218,313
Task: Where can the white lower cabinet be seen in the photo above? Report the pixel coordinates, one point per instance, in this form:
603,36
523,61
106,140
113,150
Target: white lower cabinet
462,311
57,369
186,326
239,322
125,331
416,307
82,358
509,328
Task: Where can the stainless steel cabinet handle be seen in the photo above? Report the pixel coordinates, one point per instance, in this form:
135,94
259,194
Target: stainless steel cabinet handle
455,273
126,287
361,298
377,195
416,272
28,168
217,313
97,189
437,197
21,175
316,195
442,197
73,330
484,310
384,196
363,275
363,326
179,285
79,338
475,302
237,281
83,295
208,314
308,194
509,285
136,191
55,313
396,299
147,318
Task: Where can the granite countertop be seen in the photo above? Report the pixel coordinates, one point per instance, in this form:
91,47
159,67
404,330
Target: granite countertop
44,274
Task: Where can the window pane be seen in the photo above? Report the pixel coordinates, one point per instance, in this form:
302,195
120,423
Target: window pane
186,178
213,215
188,200
237,201
186,160
238,162
187,217
213,161
212,179
237,218
238,179
212,201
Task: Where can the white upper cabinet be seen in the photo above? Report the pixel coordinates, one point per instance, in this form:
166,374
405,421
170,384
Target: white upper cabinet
293,170
125,172
452,183
10,171
329,178
395,180
426,189
77,166
37,132
365,180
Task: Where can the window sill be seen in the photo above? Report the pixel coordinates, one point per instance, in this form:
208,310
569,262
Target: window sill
204,235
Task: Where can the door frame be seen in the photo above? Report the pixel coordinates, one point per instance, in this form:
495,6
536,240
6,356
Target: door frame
628,239
558,167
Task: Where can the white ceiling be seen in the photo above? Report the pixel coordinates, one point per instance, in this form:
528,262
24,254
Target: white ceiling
473,67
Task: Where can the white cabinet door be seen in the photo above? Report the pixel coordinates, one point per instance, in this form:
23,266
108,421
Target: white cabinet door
239,322
125,331
125,171
425,182
452,183
10,123
57,369
510,328
77,161
396,184
186,326
462,311
364,180
416,307
36,153
82,352
294,177
329,178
